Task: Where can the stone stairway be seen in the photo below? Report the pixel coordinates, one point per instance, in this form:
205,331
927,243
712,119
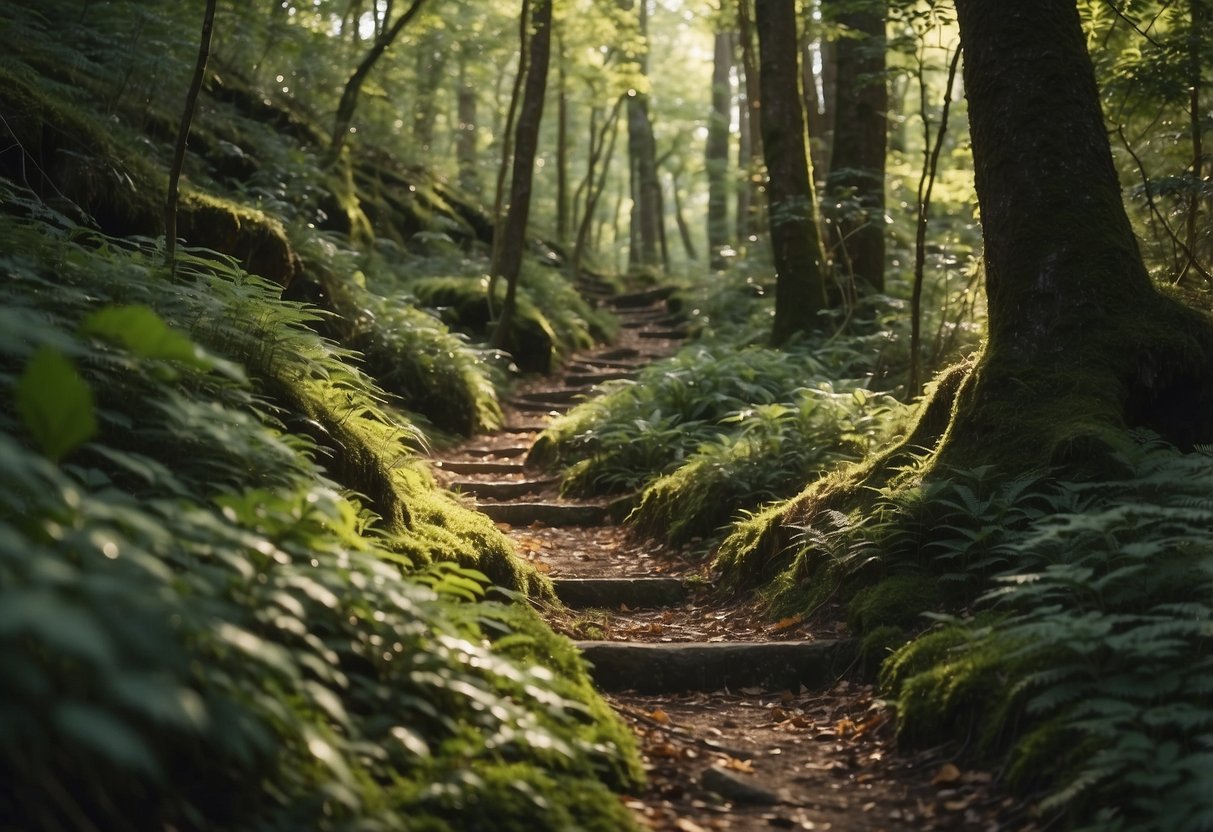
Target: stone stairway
493,471
742,723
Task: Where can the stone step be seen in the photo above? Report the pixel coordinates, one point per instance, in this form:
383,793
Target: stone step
636,593
562,394
645,297
591,379
538,406
667,334
615,354
506,490
535,428
606,364
467,466
546,514
504,453
681,667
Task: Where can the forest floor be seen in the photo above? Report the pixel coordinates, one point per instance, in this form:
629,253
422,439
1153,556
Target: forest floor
723,751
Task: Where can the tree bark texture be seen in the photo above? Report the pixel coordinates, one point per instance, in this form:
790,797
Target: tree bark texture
800,266
526,143
467,153
716,151
1081,345
859,144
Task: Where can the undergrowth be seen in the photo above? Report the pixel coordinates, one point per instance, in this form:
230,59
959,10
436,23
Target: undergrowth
1083,649
199,628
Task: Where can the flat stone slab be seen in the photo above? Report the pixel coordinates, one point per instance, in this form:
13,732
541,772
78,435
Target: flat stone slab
636,593
505,453
590,379
668,334
502,490
538,406
563,394
647,297
681,667
616,354
546,514
461,466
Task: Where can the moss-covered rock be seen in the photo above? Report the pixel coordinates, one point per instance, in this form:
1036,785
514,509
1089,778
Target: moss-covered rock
257,240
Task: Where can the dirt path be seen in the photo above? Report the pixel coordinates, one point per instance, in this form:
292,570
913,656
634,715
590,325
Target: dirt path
745,724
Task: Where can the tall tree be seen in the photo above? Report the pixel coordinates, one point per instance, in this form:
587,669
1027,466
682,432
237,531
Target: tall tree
526,144
467,152
353,87
857,159
749,144
800,263
716,150
1081,345
183,134
646,221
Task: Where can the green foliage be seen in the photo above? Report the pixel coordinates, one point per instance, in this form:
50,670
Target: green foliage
772,452
55,404
1105,623
198,628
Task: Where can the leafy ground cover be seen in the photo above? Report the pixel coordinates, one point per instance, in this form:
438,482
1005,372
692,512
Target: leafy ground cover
193,608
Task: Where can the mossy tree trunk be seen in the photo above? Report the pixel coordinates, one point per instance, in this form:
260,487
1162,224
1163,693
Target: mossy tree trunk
800,265
1081,345
646,221
526,143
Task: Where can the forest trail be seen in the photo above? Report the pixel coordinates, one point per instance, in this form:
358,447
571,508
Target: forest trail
744,724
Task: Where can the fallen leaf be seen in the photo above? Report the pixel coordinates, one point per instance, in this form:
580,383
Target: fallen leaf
733,763
658,715
688,825
787,623
948,773
845,726
754,691
664,750
505,527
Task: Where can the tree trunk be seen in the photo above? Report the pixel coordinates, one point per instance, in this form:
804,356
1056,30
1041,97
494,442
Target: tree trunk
716,151
431,56
684,230
562,153
183,135
353,87
526,143
602,149
1081,345
859,144
749,151
642,151
800,265
466,149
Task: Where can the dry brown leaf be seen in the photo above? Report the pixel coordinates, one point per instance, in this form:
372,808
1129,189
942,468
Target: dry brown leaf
845,726
948,773
787,623
688,825
658,715
505,527
541,567
744,766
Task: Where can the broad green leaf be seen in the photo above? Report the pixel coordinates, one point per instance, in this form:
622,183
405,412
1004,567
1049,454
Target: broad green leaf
139,329
142,331
55,404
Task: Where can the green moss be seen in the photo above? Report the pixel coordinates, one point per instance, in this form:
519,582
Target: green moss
879,643
440,528
954,681
257,240
897,601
